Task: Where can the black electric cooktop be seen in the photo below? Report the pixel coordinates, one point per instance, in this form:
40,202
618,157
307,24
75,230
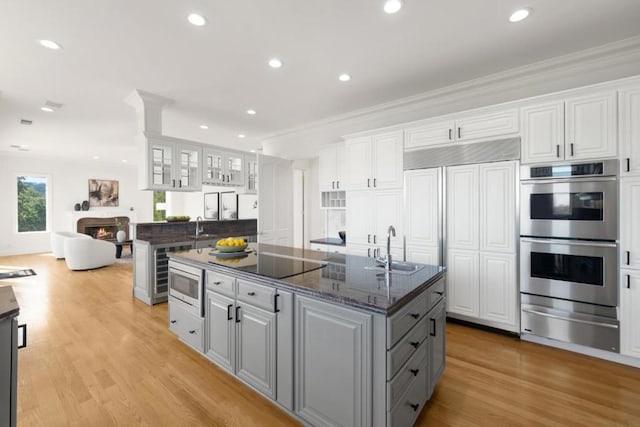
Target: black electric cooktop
268,264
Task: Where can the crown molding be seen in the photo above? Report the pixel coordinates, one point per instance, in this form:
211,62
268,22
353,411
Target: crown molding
601,58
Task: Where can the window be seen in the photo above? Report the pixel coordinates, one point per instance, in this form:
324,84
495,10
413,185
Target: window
159,205
33,193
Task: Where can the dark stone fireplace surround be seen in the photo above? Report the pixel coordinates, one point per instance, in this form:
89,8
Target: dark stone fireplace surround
90,226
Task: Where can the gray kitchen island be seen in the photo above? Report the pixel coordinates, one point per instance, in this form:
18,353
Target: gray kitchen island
332,338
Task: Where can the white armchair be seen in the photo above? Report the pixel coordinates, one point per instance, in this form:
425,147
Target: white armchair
58,238
85,254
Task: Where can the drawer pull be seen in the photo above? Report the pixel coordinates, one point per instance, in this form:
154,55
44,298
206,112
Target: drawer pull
414,315
439,292
628,257
173,321
192,331
251,294
414,406
275,303
229,312
415,344
414,371
218,283
432,332
628,164
238,314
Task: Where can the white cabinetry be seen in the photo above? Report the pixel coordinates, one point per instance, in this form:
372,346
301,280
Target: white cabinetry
629,312
369,215
170,164
464,128
222,168
629,224
250,174
374,161
629,132
481,244
331,165
421,215
582,127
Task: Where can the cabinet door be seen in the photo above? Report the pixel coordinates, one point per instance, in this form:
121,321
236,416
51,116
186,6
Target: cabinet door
630,132
462,207
188,171
341,167
498,288
498,207
327,168
251,174
333,364
630,313
429,135
388,211
422,207
220,336
423,254
387,156
543,132
360,217
213,167
591,127
462,281
437,349
161,155
234,166
487,125
256,348
359,250
358,154
629,224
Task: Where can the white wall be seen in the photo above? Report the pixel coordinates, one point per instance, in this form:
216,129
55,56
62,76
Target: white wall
68,185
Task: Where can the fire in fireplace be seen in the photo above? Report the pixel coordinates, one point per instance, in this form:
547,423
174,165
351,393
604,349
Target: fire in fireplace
105,232
103,228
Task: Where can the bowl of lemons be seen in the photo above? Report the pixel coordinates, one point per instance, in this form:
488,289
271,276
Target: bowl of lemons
231,244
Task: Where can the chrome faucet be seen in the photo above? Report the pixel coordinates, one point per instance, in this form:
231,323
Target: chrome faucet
199,228
391,231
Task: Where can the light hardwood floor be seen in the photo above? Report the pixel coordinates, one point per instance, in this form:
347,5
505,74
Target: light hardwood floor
96,356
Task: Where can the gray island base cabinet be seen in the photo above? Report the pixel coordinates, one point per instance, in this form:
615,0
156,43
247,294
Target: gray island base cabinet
350,355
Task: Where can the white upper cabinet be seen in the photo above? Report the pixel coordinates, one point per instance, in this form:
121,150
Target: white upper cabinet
331,167
374,162
369,215
463,128
629,104
250,174
170,165
222,168
583,127
629,224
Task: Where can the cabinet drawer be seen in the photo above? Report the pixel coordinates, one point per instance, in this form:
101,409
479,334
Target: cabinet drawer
220,283
435,293
188,327
400,323
407,374
398,355
258,295
410,404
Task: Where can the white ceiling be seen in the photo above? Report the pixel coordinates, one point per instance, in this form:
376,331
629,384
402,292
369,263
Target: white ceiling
215,73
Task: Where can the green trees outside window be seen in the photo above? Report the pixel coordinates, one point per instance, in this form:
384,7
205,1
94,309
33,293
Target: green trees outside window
32,203
159,200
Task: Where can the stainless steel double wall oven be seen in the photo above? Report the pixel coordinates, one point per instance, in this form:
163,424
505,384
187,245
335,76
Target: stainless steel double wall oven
569,252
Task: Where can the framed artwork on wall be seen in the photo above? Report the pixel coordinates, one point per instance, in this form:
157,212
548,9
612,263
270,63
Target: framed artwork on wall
103,192
228,206
211,206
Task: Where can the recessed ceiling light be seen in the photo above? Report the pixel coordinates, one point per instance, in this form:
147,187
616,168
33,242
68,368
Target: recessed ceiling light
252,151
392,6
204,127
124,160
344,77
47,109
251,112
50,44
197,20
275,63
241,135
96,157
519,15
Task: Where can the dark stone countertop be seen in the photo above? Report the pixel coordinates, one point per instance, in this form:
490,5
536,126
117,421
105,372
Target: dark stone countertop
329,241
160,233
344,280
8,303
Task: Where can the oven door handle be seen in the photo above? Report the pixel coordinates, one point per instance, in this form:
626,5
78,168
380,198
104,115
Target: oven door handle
576,180
590,243
554,316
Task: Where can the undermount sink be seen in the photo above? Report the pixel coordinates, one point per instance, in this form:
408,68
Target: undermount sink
398,267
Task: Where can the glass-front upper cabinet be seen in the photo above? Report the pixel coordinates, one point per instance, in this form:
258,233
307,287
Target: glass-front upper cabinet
161,165
222,168
189,168
172,166
251,181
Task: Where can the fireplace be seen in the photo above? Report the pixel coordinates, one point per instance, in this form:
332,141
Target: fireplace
103,228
